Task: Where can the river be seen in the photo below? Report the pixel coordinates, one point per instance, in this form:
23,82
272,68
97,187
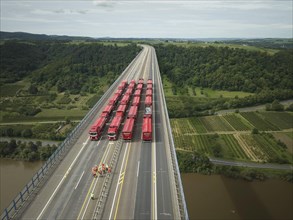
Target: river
208,197
218,197
13,177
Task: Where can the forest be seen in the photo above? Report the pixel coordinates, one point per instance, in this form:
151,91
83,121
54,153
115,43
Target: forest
262,76
70,67
226,68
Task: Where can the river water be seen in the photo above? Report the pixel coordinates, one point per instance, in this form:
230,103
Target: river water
217,197
208,197
14,175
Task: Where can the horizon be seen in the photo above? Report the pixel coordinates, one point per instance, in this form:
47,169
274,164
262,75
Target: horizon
252,19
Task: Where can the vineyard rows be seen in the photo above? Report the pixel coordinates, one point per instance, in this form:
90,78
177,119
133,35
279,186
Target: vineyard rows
215,123
189,134
283,120
236,122
258,122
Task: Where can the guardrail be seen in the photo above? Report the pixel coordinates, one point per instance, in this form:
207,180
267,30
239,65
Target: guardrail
19,201
178,182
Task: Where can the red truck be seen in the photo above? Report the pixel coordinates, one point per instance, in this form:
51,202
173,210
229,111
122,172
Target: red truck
121,110
132,112
148,101
119,92
129,91
141,81
122,85
149,86
97,128
125,100
147,129
150,81
149,92
114,99
113,129
137,92
139,87
136,101
127,131
107,112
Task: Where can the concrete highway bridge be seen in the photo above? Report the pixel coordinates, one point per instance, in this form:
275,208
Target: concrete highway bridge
145,181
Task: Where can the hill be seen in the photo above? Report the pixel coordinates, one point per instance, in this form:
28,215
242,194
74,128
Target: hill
37,37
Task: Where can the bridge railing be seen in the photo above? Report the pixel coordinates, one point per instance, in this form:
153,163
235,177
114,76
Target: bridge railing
19,201
178,182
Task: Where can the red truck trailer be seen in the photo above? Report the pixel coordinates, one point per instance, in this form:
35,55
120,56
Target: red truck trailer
97,128
125,100
137,92
129,91
141,81
119,92
122,85
136,101
139,87
149,86
131,85
132,112
121,110
147,129
113,129
114,99
148,101
127,131
150,81
107,111
149,92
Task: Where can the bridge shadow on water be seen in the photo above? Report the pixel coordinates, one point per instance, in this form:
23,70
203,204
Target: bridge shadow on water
247,203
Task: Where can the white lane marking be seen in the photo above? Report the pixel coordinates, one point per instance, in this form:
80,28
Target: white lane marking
88,202
73,162
154,149
137,168
110,217
79,180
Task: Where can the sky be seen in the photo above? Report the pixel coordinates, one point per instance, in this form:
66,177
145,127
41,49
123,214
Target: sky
150,19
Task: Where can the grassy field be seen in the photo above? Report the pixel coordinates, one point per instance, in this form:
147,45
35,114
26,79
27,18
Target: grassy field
235,139
283,120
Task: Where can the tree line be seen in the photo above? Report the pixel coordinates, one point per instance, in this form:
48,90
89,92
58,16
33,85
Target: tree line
29,151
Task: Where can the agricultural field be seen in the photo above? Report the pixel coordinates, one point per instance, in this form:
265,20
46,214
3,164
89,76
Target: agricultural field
215,123
258,122
232,148
283,120
232,139
237,122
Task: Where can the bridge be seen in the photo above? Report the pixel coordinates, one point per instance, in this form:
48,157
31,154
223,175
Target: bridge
145,180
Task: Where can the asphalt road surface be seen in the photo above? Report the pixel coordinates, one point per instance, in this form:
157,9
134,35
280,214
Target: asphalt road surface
141,185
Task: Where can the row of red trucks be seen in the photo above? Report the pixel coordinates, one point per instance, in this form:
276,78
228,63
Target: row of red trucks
147,125
127,132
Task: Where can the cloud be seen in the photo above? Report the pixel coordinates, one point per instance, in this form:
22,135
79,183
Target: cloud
104,3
